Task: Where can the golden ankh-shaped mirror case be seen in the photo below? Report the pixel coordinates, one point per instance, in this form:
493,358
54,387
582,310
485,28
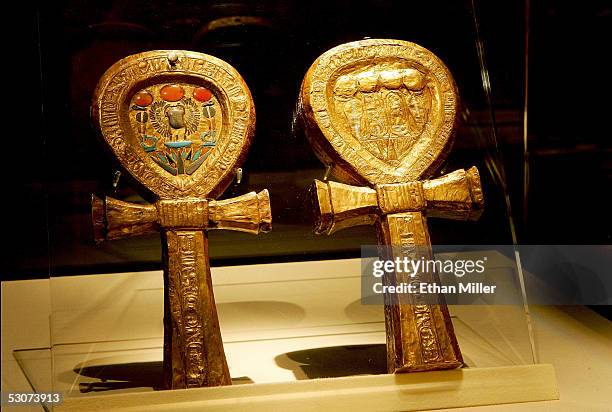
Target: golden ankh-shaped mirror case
180,123
381,113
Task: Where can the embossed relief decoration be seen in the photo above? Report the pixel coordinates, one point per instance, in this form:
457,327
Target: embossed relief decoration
177,124
385,107
178,121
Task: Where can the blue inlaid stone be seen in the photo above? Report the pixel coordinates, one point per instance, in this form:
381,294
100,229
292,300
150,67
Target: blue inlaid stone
197,154
182,143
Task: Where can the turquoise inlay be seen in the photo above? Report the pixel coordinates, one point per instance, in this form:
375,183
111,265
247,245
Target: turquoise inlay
162,158
196,155
182,143
180,165
148,148
148,143
196,163
205,136
164,164
184,154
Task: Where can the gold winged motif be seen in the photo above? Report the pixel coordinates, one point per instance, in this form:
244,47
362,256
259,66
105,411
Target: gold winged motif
178,125
158,120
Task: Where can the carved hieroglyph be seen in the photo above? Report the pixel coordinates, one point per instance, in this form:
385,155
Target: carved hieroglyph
386,108
177,124
137,134
381,113
180,123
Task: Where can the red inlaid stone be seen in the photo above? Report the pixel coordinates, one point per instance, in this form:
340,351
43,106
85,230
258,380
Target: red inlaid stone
202,94
143,99
172,93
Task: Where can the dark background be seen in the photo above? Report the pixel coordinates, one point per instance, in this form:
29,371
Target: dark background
56,162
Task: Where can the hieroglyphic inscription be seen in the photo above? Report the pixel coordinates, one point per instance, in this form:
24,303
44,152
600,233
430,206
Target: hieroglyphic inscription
183,213
184,297
408,235
390,95
234,102
190,296
385,108
382,113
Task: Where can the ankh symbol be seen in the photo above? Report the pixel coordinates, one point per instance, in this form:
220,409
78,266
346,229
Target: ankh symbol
381,114
185,175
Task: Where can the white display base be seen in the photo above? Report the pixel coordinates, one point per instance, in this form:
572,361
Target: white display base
405,392
302,320
297,321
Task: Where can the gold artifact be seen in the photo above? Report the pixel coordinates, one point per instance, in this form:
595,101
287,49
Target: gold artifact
381,114
180,123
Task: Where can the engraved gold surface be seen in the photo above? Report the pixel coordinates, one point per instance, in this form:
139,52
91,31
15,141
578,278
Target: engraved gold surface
421,335
180,123
115,219
152,70
386,108
199,354
457,195
187,127
381,113
197,122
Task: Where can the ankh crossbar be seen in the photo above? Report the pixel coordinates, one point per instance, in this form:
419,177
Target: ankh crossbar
181,124
381,114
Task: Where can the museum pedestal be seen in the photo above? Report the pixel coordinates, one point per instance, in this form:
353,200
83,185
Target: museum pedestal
406,392
285,327
104,353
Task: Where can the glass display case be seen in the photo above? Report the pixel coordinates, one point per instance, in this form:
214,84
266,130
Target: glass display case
289,301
